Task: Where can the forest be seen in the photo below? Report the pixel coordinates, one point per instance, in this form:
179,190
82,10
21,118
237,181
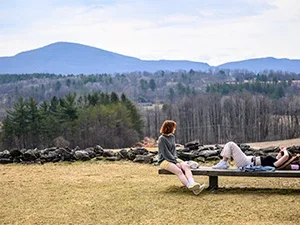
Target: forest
70,121
118,110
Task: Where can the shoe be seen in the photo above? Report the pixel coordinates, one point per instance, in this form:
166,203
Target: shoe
198,191
221,165
194,186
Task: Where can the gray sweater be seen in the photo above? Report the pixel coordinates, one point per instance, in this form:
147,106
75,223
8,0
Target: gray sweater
167,148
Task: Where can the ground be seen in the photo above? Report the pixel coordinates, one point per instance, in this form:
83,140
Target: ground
285,143
124,192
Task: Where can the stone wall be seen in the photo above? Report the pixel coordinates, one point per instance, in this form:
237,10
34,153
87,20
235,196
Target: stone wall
190,151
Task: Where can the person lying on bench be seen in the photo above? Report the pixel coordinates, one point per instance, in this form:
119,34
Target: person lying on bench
167,157
231,149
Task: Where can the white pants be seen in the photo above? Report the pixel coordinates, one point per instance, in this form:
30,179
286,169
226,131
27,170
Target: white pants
232,150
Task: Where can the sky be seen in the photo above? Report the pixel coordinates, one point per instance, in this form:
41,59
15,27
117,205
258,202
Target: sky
210,31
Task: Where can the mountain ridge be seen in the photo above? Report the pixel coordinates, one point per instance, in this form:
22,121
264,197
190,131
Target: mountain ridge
74,58
269,63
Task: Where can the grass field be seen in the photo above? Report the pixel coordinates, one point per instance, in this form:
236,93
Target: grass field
129,193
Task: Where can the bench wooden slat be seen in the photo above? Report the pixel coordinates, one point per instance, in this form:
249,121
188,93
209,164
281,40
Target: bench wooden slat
214,173
208,171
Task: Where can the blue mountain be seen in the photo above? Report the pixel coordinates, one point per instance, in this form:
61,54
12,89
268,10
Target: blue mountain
72,58
268,63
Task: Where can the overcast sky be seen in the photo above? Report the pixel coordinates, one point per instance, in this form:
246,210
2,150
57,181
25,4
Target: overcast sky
212,31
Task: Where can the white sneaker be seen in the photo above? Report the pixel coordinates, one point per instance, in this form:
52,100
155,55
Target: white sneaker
221,165
198,191
194,186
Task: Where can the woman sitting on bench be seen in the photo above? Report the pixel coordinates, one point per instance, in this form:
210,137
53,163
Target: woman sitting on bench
167,157
231,149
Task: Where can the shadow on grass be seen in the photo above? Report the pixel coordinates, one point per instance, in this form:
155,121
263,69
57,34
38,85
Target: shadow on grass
181,190
254,190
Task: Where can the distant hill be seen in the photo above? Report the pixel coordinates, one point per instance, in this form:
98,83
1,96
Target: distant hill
72,58
260,64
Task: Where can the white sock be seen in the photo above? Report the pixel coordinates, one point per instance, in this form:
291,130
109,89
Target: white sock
191,182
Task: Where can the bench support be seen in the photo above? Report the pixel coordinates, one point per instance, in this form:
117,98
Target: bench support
213,183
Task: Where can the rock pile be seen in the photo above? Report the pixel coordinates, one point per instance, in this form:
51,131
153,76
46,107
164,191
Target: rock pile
200,153
55,154
191,151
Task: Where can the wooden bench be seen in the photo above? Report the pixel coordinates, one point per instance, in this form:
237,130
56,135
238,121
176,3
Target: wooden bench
215,173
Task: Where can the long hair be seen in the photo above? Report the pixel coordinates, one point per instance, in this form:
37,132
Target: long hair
168,127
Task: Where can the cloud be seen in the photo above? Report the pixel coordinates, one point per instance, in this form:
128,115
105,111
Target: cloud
24,12
216,30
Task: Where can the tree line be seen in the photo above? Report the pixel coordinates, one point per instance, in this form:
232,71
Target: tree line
139,87
88,120
241,117
210,106
273,89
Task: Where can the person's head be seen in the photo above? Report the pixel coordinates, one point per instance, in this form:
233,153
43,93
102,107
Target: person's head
168,127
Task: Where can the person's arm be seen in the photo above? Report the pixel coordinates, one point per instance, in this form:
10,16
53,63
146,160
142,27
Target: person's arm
282,157
164,151
280,153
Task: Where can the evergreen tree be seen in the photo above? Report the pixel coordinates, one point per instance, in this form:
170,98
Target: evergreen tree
135,117
123,97
152,85
144,85
8,133
34,123
68,108
18,117
114,97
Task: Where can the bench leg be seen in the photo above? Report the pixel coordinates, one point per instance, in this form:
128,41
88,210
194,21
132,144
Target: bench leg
213,183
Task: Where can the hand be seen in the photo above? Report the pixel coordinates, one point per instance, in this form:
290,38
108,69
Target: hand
281,152
282,148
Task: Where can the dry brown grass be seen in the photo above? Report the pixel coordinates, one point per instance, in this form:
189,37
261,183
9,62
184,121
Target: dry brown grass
128,193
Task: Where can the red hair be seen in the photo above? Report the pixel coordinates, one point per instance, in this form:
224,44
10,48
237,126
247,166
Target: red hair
168,127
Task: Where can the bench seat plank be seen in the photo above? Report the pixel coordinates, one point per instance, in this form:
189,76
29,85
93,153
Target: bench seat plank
208,171
214,173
